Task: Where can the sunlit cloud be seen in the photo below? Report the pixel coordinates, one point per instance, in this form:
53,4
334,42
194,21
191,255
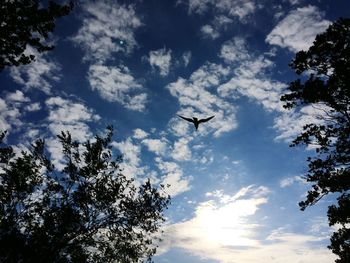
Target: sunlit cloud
223,229
298,29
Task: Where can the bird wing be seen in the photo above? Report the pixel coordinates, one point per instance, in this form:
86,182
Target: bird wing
187,119
205,120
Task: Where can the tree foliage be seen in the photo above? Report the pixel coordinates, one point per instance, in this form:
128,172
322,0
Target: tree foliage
87,212
25,23
327,66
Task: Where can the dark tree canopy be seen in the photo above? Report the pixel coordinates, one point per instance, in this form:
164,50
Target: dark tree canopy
25,23
87,212
328,87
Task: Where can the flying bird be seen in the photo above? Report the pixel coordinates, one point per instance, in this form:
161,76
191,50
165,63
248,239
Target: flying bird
195,120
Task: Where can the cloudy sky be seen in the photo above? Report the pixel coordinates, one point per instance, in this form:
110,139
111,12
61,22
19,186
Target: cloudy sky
235,183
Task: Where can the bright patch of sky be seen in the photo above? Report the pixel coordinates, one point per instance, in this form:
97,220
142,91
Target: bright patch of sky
235,183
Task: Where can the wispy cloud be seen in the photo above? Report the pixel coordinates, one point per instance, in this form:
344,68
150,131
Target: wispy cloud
160,59
116,84
39,74
286,182
234,8
298,29
186,57
108,27
249,76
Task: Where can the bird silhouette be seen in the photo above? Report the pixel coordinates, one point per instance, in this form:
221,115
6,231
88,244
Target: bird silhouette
195,120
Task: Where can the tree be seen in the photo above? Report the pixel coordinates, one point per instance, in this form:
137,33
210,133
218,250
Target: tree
87,212
25,23
327,86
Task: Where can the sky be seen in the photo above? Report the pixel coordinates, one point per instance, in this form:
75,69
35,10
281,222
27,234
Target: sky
235,183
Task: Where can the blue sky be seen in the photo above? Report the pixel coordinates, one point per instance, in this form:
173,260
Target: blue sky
235,183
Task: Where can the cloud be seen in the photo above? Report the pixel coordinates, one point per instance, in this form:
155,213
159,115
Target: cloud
17,96
140,134
38,74
197,97
298,29
155,145
108,27
9,116
186,57
116,84
209,31
234,50
131,152
222,229
12,108
249,76
181,151
65,114
291,123
233,8
286,182
173,177
161,59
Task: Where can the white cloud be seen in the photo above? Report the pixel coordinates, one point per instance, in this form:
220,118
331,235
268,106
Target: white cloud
155,145
234,50
131,164
9,116
108,27
286,182
197,98
222,230
38,74
209,31
173,177
233,8
291,123
17,96
161,59
116,84
33,107
140,134
181,151
298,29
186,57
65,114
249,77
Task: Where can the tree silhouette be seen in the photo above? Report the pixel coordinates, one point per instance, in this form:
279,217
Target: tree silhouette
327,65
23,24
87,212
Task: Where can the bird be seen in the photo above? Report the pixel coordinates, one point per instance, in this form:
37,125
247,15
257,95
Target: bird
195,120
